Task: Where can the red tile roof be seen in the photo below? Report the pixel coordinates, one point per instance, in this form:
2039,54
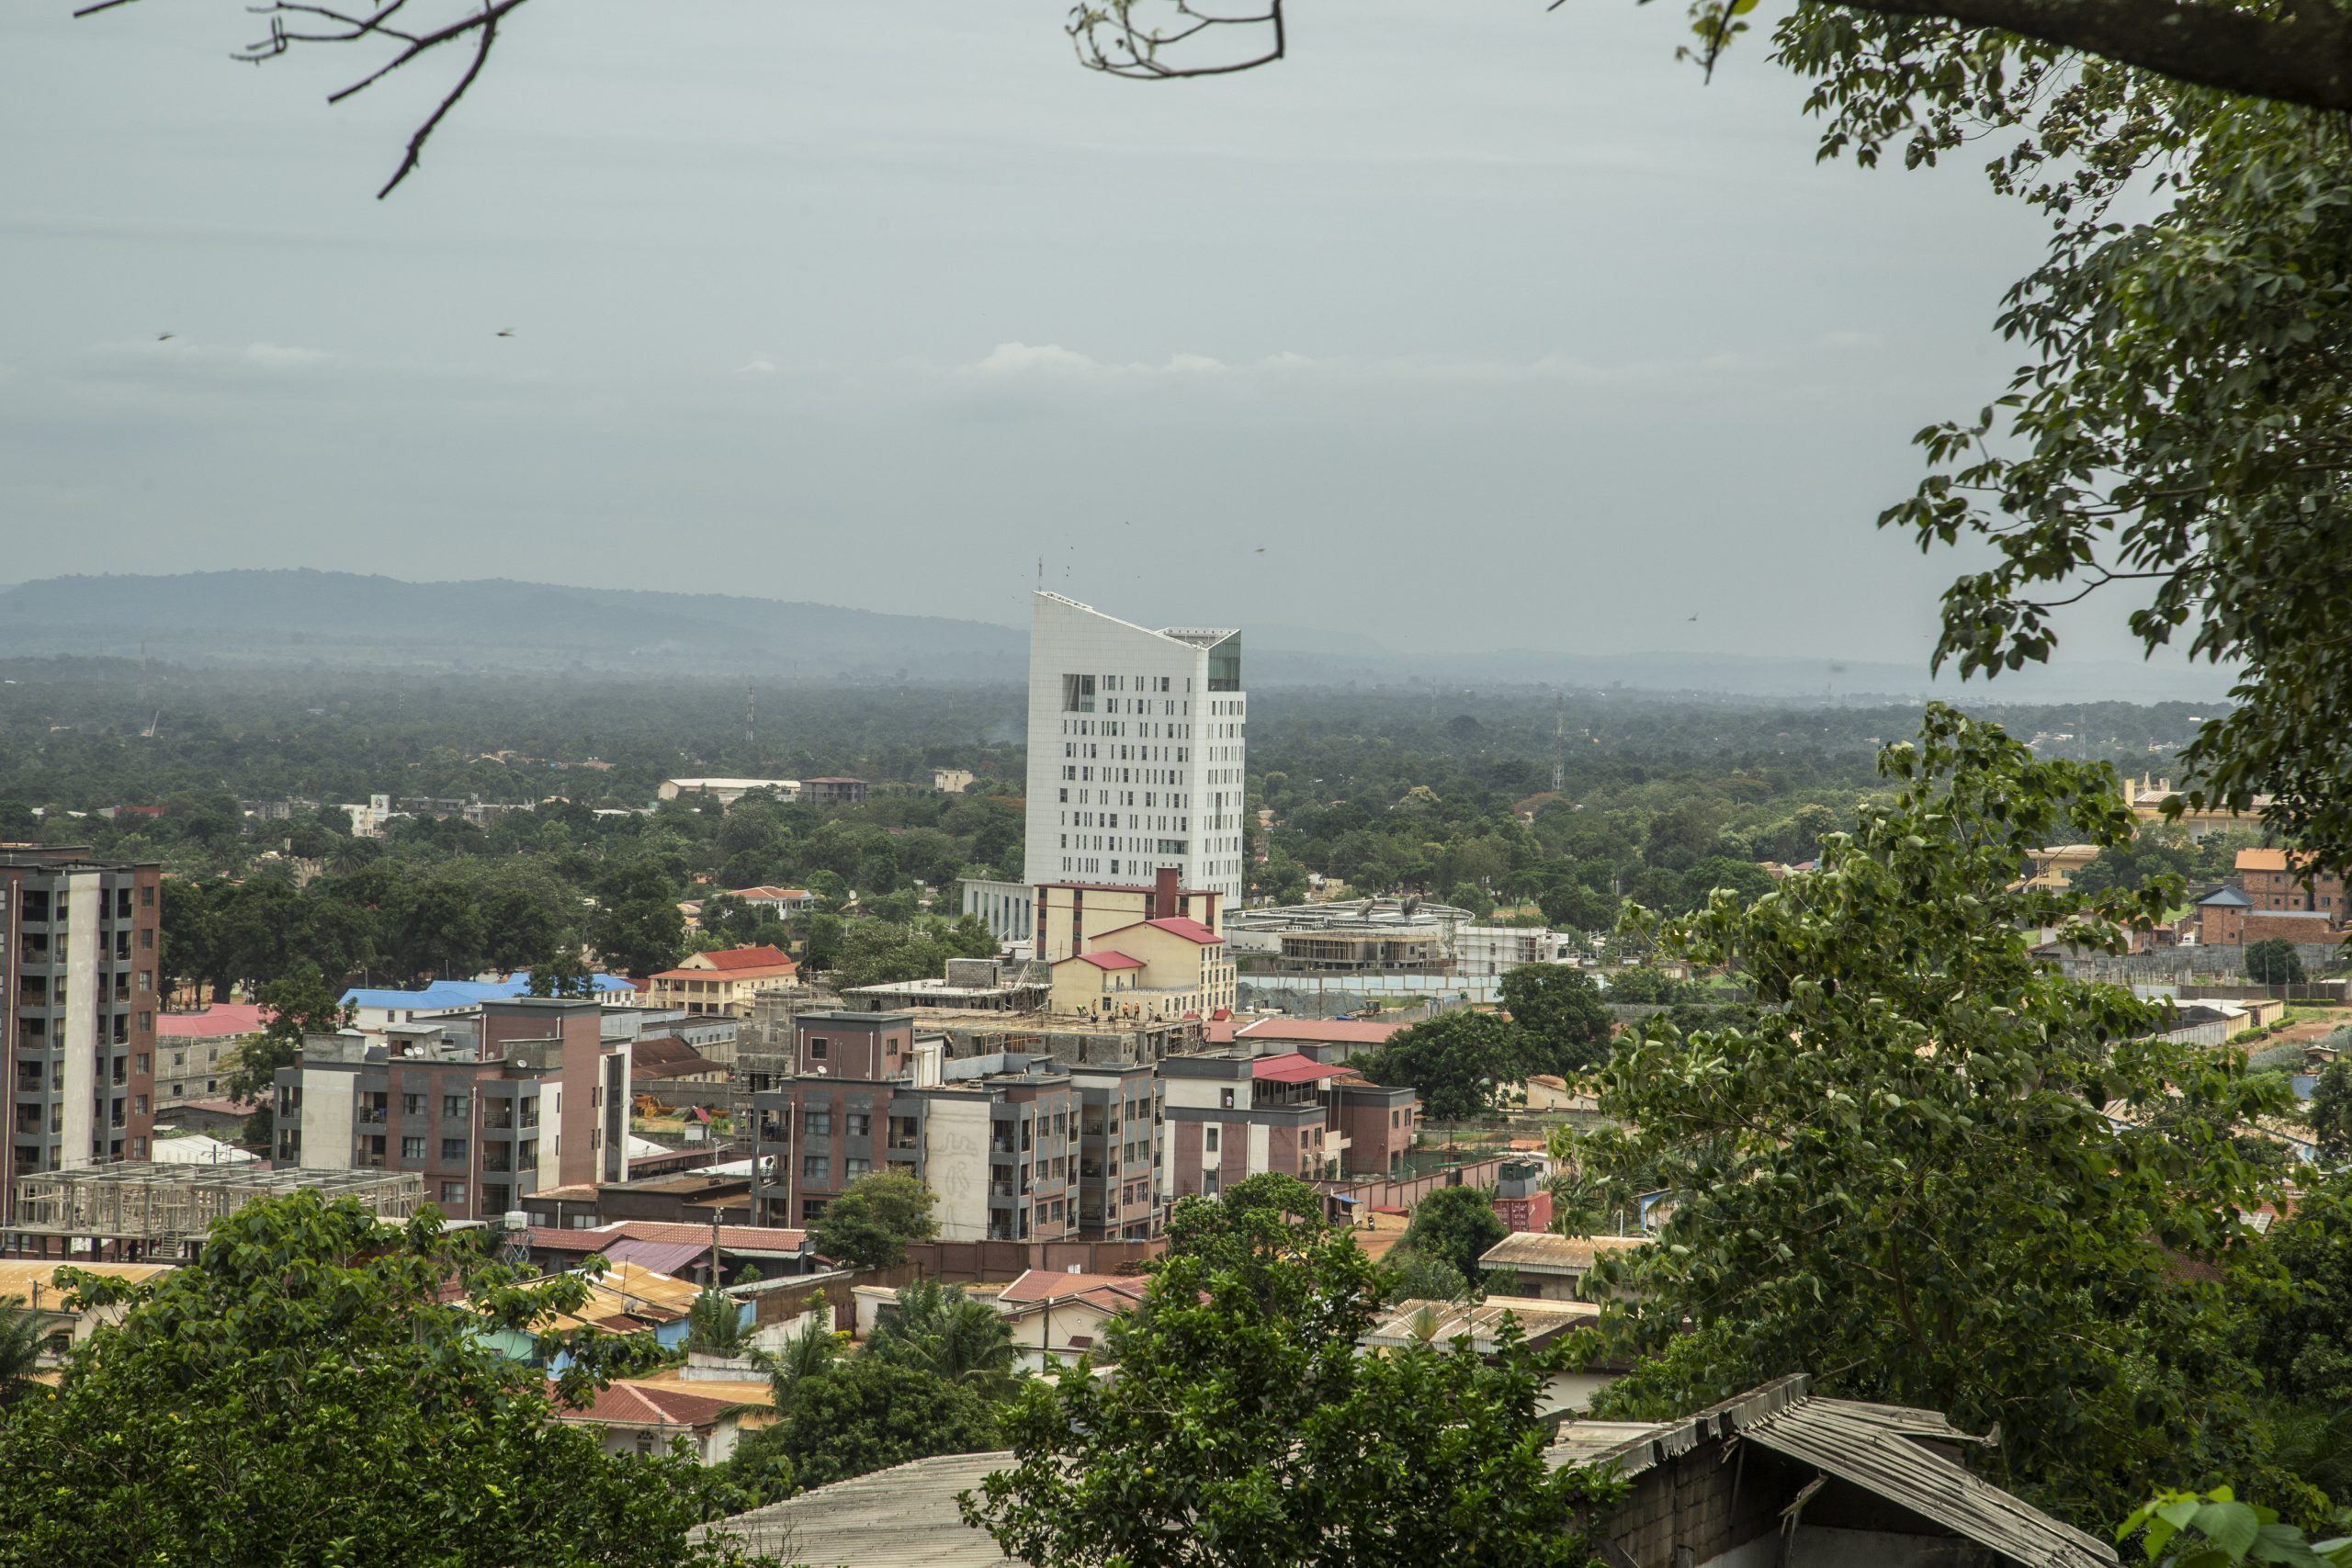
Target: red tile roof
1292,1068
221,1018
1041,1284
764,956
650,1405
1107,960
765,891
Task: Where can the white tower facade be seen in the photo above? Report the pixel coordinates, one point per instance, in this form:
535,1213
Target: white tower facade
1137,750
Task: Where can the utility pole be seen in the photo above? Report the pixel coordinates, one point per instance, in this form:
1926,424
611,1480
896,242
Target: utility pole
714,1248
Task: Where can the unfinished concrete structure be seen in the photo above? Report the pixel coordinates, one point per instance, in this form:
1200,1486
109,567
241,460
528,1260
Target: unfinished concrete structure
135,1210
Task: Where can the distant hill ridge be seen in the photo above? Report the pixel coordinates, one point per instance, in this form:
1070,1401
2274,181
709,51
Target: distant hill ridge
295,618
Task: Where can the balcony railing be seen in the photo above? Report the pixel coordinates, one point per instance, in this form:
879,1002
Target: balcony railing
502,1117
373,1116
495,1158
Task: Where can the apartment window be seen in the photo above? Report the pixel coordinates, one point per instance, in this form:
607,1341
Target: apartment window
814,1167
853,1167
453,1149
453,1106
146,897
1225,1098
858,1124
138,1064
147,938
412,1149
817,1124
1208,1140
816,1047
146,979
412,1105
453,1192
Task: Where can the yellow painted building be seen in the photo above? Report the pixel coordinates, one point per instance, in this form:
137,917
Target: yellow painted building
722,982
1151,969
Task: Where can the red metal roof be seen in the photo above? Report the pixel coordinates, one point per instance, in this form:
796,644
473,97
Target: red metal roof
732,1238
1107,960
221,1018
661,1257
1292,1068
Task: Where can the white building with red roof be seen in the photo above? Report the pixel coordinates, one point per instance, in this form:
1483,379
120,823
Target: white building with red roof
723,982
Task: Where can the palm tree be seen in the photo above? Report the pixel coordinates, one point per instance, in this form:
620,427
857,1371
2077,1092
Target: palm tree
24,1335
806,1354
945,1332
715,1326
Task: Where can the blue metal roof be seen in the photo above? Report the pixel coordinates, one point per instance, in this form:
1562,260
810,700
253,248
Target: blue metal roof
444,994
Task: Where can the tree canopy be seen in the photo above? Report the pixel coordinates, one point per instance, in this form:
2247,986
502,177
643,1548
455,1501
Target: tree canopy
1464,1062
1560,1011
1246,1427
302,1393
1454,1225
1935,1173
869,1225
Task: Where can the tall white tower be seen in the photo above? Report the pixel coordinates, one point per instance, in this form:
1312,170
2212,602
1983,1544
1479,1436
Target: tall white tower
1136,751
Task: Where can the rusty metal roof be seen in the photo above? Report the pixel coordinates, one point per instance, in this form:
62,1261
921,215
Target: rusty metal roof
1879,1447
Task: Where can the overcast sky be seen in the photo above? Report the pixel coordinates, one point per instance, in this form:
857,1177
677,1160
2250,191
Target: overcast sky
1490,327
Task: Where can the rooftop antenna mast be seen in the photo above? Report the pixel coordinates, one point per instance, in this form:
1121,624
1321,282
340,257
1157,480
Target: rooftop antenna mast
751,720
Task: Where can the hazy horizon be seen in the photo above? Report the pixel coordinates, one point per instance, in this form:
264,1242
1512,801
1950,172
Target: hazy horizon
1475,329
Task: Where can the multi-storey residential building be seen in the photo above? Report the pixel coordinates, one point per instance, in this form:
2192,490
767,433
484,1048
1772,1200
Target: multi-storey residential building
1121,1125
1138,759
2284,879
723,982
78,970
833,791
195,1053
995,1137
1231,1115
525,1094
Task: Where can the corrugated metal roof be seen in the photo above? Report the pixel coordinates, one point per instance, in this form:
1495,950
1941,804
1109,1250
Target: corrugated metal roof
1875,1447
661,1257
1538,1321
1541,1251
1854,1444
902,1517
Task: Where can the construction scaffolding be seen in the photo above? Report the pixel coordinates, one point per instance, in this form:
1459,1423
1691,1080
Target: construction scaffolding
170,1207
